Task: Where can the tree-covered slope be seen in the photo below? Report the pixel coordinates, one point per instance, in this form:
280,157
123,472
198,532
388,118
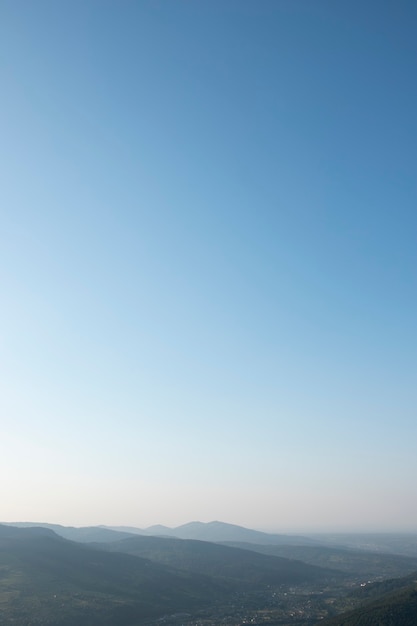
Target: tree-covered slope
45,579
394,609
221,561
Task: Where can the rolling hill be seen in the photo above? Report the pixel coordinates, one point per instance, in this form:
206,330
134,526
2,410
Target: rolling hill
394,609
84,534
222,562
217,532
45,579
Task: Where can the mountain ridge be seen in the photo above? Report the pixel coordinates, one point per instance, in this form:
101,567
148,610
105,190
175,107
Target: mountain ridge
221,561
216,531
46,579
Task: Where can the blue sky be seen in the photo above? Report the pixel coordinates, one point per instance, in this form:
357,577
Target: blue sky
208,263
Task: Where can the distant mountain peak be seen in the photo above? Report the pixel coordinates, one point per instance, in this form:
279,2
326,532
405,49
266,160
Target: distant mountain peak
217,531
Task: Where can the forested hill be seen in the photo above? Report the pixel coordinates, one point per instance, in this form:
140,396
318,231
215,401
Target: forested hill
396,609
223,562
385,603
55,581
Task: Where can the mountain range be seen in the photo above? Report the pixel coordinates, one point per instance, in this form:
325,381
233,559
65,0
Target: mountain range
122,576
221,561
217,531
46,579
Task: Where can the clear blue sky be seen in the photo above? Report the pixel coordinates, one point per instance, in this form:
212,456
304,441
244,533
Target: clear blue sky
208,262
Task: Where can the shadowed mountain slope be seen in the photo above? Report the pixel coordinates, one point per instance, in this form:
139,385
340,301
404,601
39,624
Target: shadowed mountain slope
45,579
222,561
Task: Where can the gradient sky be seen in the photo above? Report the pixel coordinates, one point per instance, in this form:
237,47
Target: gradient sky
208,263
